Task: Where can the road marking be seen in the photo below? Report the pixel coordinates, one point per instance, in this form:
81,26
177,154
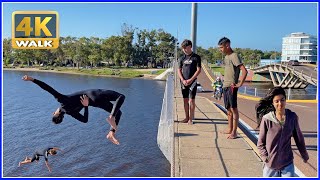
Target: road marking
298,105
207,73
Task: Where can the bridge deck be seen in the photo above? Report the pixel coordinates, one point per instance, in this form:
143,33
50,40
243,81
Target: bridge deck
202,151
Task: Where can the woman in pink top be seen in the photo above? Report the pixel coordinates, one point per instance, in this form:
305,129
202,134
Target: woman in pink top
277,126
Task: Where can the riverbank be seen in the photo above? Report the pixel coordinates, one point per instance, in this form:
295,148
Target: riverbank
105,72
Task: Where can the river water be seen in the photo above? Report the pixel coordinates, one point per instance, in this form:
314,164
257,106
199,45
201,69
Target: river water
27,127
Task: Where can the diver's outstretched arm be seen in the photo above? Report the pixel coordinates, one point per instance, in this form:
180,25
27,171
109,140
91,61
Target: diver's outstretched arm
47,164
43,85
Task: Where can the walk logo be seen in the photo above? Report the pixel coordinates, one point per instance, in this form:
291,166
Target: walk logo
35,30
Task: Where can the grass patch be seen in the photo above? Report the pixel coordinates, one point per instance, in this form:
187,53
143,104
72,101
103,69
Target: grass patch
117,72
104,71
129,73
160,71
217,69
46,68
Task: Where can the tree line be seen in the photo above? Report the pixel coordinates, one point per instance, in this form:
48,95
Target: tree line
134,47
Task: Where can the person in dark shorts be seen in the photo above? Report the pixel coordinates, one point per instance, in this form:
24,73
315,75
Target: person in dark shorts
72,104
233,66
36,156
189,69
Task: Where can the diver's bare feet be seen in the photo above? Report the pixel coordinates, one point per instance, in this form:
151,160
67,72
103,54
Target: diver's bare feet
111,138
232,136
190,122
185,120
111,120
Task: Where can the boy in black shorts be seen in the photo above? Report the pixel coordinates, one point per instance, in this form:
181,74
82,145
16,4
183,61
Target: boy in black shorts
189,69
233,66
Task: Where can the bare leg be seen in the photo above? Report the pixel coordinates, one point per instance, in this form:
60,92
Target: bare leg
192,109
230,124
186,109
235,122
112,138
26,161
112,121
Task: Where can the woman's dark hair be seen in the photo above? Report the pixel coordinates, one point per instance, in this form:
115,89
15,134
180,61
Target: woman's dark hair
58,118
265,104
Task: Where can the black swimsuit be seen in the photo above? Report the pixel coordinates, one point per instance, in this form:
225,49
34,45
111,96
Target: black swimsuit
100,98
44,153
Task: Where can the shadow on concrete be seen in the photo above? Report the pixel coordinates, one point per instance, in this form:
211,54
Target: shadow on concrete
310,135
205,91
220,154
210,119
184,134
310,132
309,147
196,122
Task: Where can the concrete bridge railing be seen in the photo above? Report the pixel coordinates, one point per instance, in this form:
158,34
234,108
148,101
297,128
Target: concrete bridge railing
286,76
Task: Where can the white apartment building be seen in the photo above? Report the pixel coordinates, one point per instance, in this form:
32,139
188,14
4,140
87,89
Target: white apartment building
299,46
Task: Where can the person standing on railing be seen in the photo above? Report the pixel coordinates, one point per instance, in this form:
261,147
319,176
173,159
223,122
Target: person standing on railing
189,69
233,66
277,126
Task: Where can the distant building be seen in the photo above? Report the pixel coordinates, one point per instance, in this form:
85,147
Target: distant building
299,46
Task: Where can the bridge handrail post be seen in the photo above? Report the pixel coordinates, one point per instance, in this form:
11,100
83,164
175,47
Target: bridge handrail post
255,91
289,93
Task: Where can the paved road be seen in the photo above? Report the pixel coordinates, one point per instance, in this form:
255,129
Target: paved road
307,113
307,70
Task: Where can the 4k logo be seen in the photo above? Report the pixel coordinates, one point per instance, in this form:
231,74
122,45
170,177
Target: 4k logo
35,30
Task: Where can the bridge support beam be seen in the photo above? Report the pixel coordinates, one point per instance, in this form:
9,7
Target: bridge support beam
287,77
273,79
288,81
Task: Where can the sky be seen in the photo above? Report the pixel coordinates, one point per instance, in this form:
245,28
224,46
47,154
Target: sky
248,25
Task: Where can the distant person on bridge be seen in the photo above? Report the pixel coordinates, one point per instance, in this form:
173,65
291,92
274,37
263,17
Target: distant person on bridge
277,126
217,88
217,84
36,156
72,104
189,69
233,66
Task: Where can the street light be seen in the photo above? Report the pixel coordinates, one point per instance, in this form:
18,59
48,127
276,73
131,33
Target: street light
176,43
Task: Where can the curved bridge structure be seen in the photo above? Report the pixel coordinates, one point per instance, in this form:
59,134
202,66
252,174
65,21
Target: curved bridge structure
295,77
